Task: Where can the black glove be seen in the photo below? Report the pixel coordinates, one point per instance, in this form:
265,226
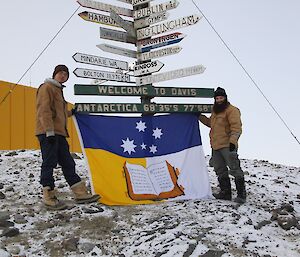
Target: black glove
231,147
73,111
51,139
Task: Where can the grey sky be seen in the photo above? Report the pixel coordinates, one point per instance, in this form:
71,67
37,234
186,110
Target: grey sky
263,34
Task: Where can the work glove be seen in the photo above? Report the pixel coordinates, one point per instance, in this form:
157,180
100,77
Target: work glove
51,139
231,147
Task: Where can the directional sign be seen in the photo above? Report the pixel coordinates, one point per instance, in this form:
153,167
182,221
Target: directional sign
100,61
110,90
97,74
123,23
141,108
149,44
105,7
126,1
155,9
116,35
155,18
159,53
117,50
139,2
167,26
147,68
100,19
175,74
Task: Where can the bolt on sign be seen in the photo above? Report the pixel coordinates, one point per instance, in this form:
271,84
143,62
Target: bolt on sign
155,9
141,108
97,74
147,68
116,35
159,53
152,19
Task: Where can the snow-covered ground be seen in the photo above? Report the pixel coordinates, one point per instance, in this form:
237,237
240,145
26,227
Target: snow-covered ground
267,225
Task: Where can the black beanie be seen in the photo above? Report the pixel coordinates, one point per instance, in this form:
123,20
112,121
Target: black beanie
220,92
59,68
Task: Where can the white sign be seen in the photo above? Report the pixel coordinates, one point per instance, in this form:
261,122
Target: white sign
159,53
105,7
147,68
149,44
139,2
100,61
123,24
117,50
98,18
155,18
116,35
155,9
175,74
126,1
101,75
167,26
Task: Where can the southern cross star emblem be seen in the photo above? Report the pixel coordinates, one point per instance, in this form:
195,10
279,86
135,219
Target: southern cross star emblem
128,146
141,126
157,133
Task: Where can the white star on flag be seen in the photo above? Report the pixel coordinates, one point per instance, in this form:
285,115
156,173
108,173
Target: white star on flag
141,126
153,149
128,145
143,146
157,133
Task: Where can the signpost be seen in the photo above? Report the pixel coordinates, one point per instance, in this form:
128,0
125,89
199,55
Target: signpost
100,61
111,90
105,7
97,74
147,68
122,23
141,108
167,26
149,44
155,9
159,53
117,50
116,35
147,21
139,2
175,74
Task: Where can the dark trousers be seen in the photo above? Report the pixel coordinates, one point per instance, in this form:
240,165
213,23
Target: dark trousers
53,154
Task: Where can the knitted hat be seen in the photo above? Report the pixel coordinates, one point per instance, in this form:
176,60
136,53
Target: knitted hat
59,68
220,92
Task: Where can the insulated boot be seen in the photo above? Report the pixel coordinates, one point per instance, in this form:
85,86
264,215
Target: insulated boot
82,195
50,200
241,190
225,193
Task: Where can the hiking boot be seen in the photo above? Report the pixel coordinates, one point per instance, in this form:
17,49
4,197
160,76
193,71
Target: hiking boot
50,200
82,195
241,190
225,193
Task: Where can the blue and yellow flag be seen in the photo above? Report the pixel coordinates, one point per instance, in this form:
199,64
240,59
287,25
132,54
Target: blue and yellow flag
139,160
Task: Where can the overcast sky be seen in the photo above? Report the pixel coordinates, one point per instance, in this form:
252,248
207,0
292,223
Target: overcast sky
264,35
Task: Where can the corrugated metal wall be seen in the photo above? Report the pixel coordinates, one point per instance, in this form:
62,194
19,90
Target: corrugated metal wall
17,119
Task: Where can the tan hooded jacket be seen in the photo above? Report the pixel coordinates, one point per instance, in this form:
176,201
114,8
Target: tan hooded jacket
226,127
51,109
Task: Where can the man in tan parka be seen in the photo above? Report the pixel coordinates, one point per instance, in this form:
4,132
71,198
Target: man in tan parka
225,129
51,130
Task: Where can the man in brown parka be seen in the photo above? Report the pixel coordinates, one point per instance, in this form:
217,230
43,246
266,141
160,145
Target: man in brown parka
225,129
51,130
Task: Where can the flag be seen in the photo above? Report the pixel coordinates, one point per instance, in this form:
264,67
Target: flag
141,160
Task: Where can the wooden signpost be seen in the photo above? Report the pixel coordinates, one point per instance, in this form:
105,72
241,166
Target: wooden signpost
149,21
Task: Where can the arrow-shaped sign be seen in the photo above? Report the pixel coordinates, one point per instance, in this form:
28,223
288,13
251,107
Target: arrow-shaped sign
122,23
149,44
155,18
100,61
105,7
126,1
155,9
117,50
116,35
167,26
98,74
159,53
175,74
139,2
147,68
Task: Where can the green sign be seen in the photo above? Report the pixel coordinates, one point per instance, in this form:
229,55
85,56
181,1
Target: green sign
143,91
141,108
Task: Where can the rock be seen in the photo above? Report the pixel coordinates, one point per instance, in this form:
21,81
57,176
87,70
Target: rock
6,224
287,221
10,232
4,215
75,156
71,244
30,175
4,253
14,250
288,207
9,189
20,219
86,247
212,253
92,210
2,196
13,153
262,223
1,186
